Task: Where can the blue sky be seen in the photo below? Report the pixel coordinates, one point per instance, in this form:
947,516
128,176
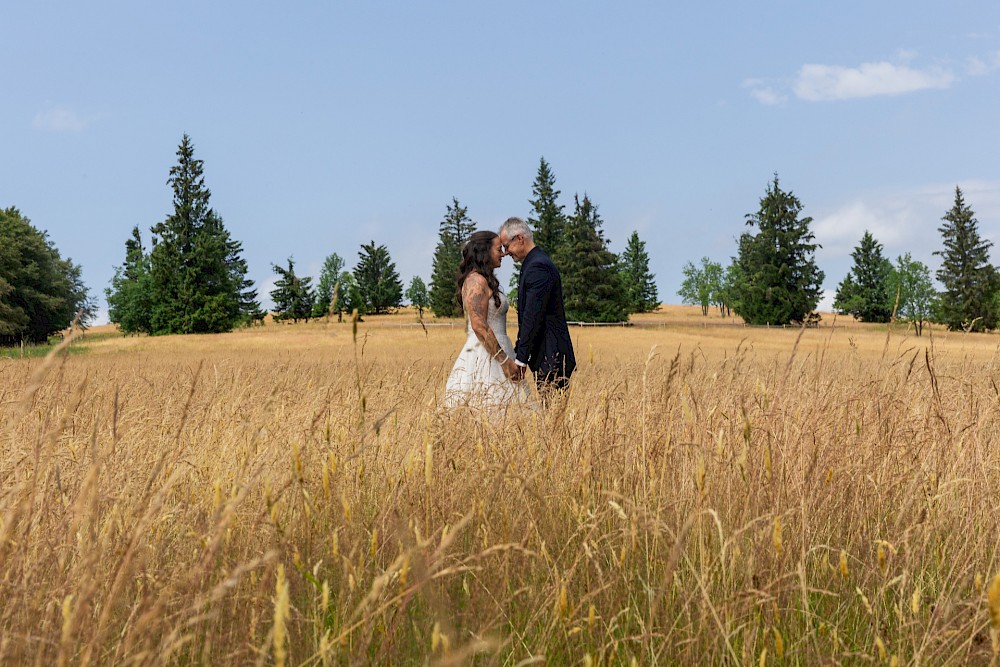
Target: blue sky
324,125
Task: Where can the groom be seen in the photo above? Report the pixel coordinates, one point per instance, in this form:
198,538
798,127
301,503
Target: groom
543,342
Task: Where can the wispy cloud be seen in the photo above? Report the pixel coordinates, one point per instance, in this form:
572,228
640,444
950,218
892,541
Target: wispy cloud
983,66
764,93
897,76
902,221
58,119
817,83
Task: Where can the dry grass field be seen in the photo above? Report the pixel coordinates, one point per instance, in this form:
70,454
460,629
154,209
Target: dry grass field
705,494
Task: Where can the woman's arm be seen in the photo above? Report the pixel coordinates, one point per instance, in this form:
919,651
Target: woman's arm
476,300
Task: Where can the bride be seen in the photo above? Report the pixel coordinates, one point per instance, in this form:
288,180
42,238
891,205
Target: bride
484,373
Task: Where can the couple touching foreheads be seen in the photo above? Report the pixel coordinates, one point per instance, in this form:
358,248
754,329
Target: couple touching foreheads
490,370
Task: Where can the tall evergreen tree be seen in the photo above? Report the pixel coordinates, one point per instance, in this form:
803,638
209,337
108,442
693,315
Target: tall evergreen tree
547,219
292,295
968,277
199,280
778,280
129,297
333,266
453,231
378,280
40,292
592,288
640,288
864,293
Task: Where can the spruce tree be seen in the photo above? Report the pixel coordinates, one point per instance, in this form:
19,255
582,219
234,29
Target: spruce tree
292,295
640,288
199,280
864,293
778,281
378,280
130,294
592,288
968,277
453,231
547,219
333,266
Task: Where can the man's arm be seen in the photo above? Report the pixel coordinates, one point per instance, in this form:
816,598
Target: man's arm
476,299
531,324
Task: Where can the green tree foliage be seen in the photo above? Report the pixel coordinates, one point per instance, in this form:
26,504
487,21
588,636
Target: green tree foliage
547,220
865,292
417,294
292,295
968,278
912,291
777,280
378,280
40,292
453,231
130,304
702,285
348,296
333,266
592,288
199,282
640,288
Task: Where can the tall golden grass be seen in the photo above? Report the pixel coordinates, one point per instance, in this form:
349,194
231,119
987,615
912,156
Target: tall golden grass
703,495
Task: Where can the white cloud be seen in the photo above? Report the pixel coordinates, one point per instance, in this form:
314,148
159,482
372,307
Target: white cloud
817,83
764,93
58,119
983,66
902,221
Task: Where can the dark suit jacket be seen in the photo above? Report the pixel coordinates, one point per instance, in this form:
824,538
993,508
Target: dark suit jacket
543,341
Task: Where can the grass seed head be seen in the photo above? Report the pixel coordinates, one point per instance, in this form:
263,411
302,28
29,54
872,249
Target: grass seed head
993,601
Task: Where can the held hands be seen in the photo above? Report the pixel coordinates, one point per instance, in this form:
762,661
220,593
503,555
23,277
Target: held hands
513,372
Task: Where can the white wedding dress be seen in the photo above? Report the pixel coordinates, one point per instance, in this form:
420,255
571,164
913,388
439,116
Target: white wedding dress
477,379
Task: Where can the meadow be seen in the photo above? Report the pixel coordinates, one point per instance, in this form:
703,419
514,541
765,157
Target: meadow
704,494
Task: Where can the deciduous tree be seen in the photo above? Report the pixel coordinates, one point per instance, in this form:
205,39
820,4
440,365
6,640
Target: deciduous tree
702,285
417,294
40,292
333,266
913,292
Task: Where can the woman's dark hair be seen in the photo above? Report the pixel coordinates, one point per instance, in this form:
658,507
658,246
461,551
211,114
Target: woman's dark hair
476,259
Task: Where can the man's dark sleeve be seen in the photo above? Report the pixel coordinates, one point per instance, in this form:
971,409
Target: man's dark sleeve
537,285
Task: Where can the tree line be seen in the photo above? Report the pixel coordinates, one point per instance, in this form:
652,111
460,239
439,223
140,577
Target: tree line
773,279
193,278
598,284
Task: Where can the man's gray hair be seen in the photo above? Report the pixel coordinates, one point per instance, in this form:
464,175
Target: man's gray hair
514,226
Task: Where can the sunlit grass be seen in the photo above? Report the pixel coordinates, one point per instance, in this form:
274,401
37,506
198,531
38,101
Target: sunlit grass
705,495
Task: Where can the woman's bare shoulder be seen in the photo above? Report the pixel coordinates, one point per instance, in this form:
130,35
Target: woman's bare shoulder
475,281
